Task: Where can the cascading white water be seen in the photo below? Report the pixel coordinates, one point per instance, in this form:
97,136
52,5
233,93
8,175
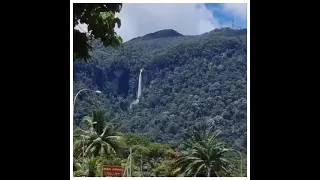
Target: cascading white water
139,89
140,83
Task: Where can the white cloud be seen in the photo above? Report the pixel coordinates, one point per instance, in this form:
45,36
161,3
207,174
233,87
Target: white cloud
237,9
187,19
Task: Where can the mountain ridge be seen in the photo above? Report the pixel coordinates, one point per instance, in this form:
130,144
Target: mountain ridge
188,81
165,33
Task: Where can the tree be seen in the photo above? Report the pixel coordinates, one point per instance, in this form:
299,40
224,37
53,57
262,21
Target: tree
156,153
101,22
99,137
205,156
171,101
166,166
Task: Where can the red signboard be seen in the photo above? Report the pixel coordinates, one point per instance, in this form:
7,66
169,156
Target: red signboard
112,171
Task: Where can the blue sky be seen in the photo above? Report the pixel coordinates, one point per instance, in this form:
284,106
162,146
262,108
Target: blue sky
188,19
224,17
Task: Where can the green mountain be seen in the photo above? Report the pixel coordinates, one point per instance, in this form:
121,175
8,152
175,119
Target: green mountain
187,81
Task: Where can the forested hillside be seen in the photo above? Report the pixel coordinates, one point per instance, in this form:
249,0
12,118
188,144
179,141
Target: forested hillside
187,81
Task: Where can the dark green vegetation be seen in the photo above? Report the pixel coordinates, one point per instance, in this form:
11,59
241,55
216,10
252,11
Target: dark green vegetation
101,22
188,82
96,143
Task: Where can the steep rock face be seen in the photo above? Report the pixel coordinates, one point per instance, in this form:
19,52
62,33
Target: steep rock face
119,80
187,81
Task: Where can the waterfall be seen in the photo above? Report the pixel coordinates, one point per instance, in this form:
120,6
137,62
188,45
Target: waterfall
140,83
139,89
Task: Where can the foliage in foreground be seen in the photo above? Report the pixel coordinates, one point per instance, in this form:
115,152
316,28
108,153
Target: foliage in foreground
202,155
98,137
101,22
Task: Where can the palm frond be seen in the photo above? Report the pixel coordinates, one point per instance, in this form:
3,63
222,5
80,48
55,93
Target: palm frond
97,137
205,155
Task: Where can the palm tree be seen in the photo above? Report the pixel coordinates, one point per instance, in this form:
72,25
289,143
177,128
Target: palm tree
96,137
205,156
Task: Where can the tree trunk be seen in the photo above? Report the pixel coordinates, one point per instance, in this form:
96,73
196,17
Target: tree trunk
211,173
214,174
